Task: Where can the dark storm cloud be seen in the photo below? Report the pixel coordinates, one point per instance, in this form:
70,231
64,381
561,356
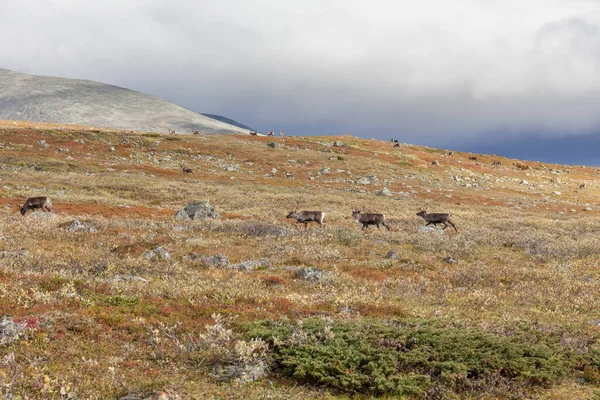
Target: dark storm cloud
435,72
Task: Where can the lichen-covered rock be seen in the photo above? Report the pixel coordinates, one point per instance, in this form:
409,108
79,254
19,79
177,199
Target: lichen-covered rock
384,192
10,330
157,253
430,229
198,210
42,215
252,265
314,274
77,226
218,260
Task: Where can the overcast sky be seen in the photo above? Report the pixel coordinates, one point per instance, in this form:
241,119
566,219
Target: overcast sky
439,72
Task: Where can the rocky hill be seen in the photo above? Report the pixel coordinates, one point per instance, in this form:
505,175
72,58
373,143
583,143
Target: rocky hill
82,102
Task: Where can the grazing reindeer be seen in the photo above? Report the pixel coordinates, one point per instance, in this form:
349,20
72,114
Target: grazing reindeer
437,219
473,158
370,219
394,140
186,170
252,133
397,145
496,162
171,132
306,217
450,153
270,133
195,133
37,202
582,186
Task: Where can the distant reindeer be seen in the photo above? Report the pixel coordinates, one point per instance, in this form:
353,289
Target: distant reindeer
194,133
450,153
171,132
252,133
186,170
496,162
437,218
307,216
397,145
473,158
270,133
281,133
32,203
394,140
367,219
289,175
582,186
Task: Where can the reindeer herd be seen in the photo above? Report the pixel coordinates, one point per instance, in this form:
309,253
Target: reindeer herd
302,217
366,219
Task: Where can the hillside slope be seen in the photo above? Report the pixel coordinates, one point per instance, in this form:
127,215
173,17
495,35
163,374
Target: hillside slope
506,308
81,102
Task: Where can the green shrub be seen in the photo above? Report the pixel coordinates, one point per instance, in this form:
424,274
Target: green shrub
411,358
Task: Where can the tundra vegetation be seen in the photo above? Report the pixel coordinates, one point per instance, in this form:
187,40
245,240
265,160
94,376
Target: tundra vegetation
197,308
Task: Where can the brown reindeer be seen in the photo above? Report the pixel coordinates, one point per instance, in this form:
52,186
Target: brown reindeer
32,203
306,217
195,133
186,170
437,218
367,219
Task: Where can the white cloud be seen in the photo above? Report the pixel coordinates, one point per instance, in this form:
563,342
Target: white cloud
417,69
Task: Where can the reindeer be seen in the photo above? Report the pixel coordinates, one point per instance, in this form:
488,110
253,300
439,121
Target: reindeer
289,175
473,158
194,133
367,219
437,219
397,145
306,217
496,162
185,169
582,186
281,133
252,133
171,132
32,203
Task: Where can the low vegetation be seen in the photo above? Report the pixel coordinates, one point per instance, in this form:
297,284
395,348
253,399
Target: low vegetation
133,301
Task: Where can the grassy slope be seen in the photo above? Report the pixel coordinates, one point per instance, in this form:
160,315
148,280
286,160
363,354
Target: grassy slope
519,263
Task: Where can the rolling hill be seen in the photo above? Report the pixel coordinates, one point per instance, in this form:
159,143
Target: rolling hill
113,297
82,102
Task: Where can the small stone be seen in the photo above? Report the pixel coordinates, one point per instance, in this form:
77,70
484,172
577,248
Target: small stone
338,144
42,215
218,260
324,170
430,229
252,265
557,193
384,192
273,145
196,211
313,274
157,253
588,208
364,181
392,255
111,149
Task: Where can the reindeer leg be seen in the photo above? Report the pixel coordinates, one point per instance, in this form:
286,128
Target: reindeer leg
305,225
386,226
429,223
454,226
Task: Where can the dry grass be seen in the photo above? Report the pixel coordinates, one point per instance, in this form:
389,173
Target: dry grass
91,330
